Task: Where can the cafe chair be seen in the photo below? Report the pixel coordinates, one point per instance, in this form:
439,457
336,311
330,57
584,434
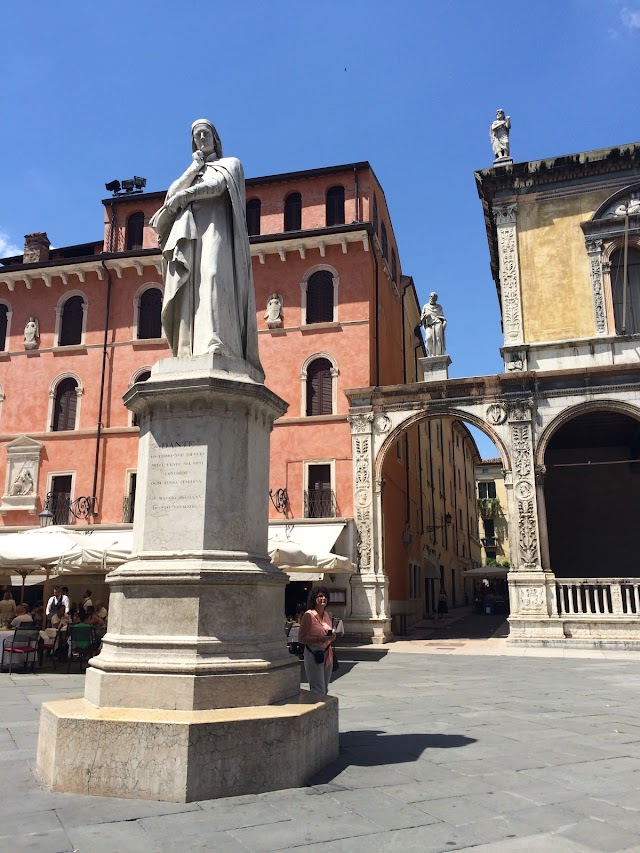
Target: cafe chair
24,642
82,644
51,646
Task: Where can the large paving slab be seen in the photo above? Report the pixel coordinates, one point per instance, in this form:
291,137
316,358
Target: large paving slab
498,753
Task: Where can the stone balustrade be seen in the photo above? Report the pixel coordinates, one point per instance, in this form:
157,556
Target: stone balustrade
598,596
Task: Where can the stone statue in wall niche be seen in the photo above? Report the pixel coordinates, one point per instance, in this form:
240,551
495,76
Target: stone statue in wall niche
499,135
23,483
434,323
273,314
628,208
31,333
209,300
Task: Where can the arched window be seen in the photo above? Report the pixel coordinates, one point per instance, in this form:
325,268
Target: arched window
149,313
320,297
394,266
384,242
4,322
71,322
319,389
375,214
253,217
626,312
65,405
141,377
335,206
293,212
135,231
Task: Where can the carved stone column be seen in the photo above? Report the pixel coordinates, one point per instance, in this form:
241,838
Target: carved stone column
594,250
531,590
505,219
369,588
542,519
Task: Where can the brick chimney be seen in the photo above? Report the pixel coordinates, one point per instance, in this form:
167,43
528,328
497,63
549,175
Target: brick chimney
36,248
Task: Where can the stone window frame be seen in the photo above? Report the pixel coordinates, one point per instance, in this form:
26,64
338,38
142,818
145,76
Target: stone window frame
307,463
59,311
304,284
603,236
52,397
52,474
135,376
137,298
5,302
335,372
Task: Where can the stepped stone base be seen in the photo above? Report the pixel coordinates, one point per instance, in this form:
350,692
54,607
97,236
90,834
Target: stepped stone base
184,756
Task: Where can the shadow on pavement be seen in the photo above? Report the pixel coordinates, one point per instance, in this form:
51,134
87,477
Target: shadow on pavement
373,748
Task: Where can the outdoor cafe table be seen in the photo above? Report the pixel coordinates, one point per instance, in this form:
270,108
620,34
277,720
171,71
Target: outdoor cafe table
18,660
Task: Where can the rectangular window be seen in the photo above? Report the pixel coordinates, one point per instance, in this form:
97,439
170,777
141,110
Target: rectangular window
487,489
319,496
414,580
59,498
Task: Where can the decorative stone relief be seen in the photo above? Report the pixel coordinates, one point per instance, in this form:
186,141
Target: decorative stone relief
594,250
496,414
362,441
524,488
521,450
505,218
31,333
273,314
520,410
531,598
21,484
382,424
515,361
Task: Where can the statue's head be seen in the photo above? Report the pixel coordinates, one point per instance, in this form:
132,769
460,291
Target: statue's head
433,298
499,114
205,138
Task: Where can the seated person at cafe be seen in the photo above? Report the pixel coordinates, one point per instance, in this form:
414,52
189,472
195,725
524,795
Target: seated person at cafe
92,618
22,617
60,618
101,610
7,610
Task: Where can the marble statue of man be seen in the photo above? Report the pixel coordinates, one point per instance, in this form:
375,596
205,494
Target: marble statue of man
209,300
499,135
434,323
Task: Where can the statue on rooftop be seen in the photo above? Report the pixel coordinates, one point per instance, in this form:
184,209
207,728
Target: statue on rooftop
209,300
499,135
434,323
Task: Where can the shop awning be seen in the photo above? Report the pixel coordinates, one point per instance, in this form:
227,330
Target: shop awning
299,548
34,579
487,572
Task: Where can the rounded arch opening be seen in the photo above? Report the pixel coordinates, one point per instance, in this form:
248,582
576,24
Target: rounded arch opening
591,460
443,511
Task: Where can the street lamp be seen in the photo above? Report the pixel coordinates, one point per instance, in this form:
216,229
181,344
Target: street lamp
447,523
46,517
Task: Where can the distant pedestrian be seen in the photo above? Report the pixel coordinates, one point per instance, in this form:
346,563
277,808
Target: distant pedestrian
443,604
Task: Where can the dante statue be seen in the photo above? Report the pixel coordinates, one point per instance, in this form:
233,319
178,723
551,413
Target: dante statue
209,300
499,135
434,323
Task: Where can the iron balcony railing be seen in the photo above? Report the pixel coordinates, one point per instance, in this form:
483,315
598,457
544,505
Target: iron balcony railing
490,542
319,503
66,511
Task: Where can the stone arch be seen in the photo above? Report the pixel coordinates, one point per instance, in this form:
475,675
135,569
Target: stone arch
579,409
52,396
334,381
148,285
459,414
59,309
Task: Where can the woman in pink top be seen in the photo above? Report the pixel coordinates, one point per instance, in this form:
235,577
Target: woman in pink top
316,632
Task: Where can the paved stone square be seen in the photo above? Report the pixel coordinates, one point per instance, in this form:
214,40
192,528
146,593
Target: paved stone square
439,751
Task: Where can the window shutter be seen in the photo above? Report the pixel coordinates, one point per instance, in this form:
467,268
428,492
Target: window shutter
65,405
320,297
3,327
319,396
335,206
71,322
293,212
253,216
150,313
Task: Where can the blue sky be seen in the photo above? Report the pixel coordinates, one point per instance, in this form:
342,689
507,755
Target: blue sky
92,92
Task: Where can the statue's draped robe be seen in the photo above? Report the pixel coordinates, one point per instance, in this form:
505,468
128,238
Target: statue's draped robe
433,321
499,134
209,301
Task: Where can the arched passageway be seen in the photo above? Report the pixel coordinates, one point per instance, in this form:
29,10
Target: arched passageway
592,492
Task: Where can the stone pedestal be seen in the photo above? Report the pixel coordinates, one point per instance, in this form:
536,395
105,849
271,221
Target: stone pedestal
195,654
435,368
